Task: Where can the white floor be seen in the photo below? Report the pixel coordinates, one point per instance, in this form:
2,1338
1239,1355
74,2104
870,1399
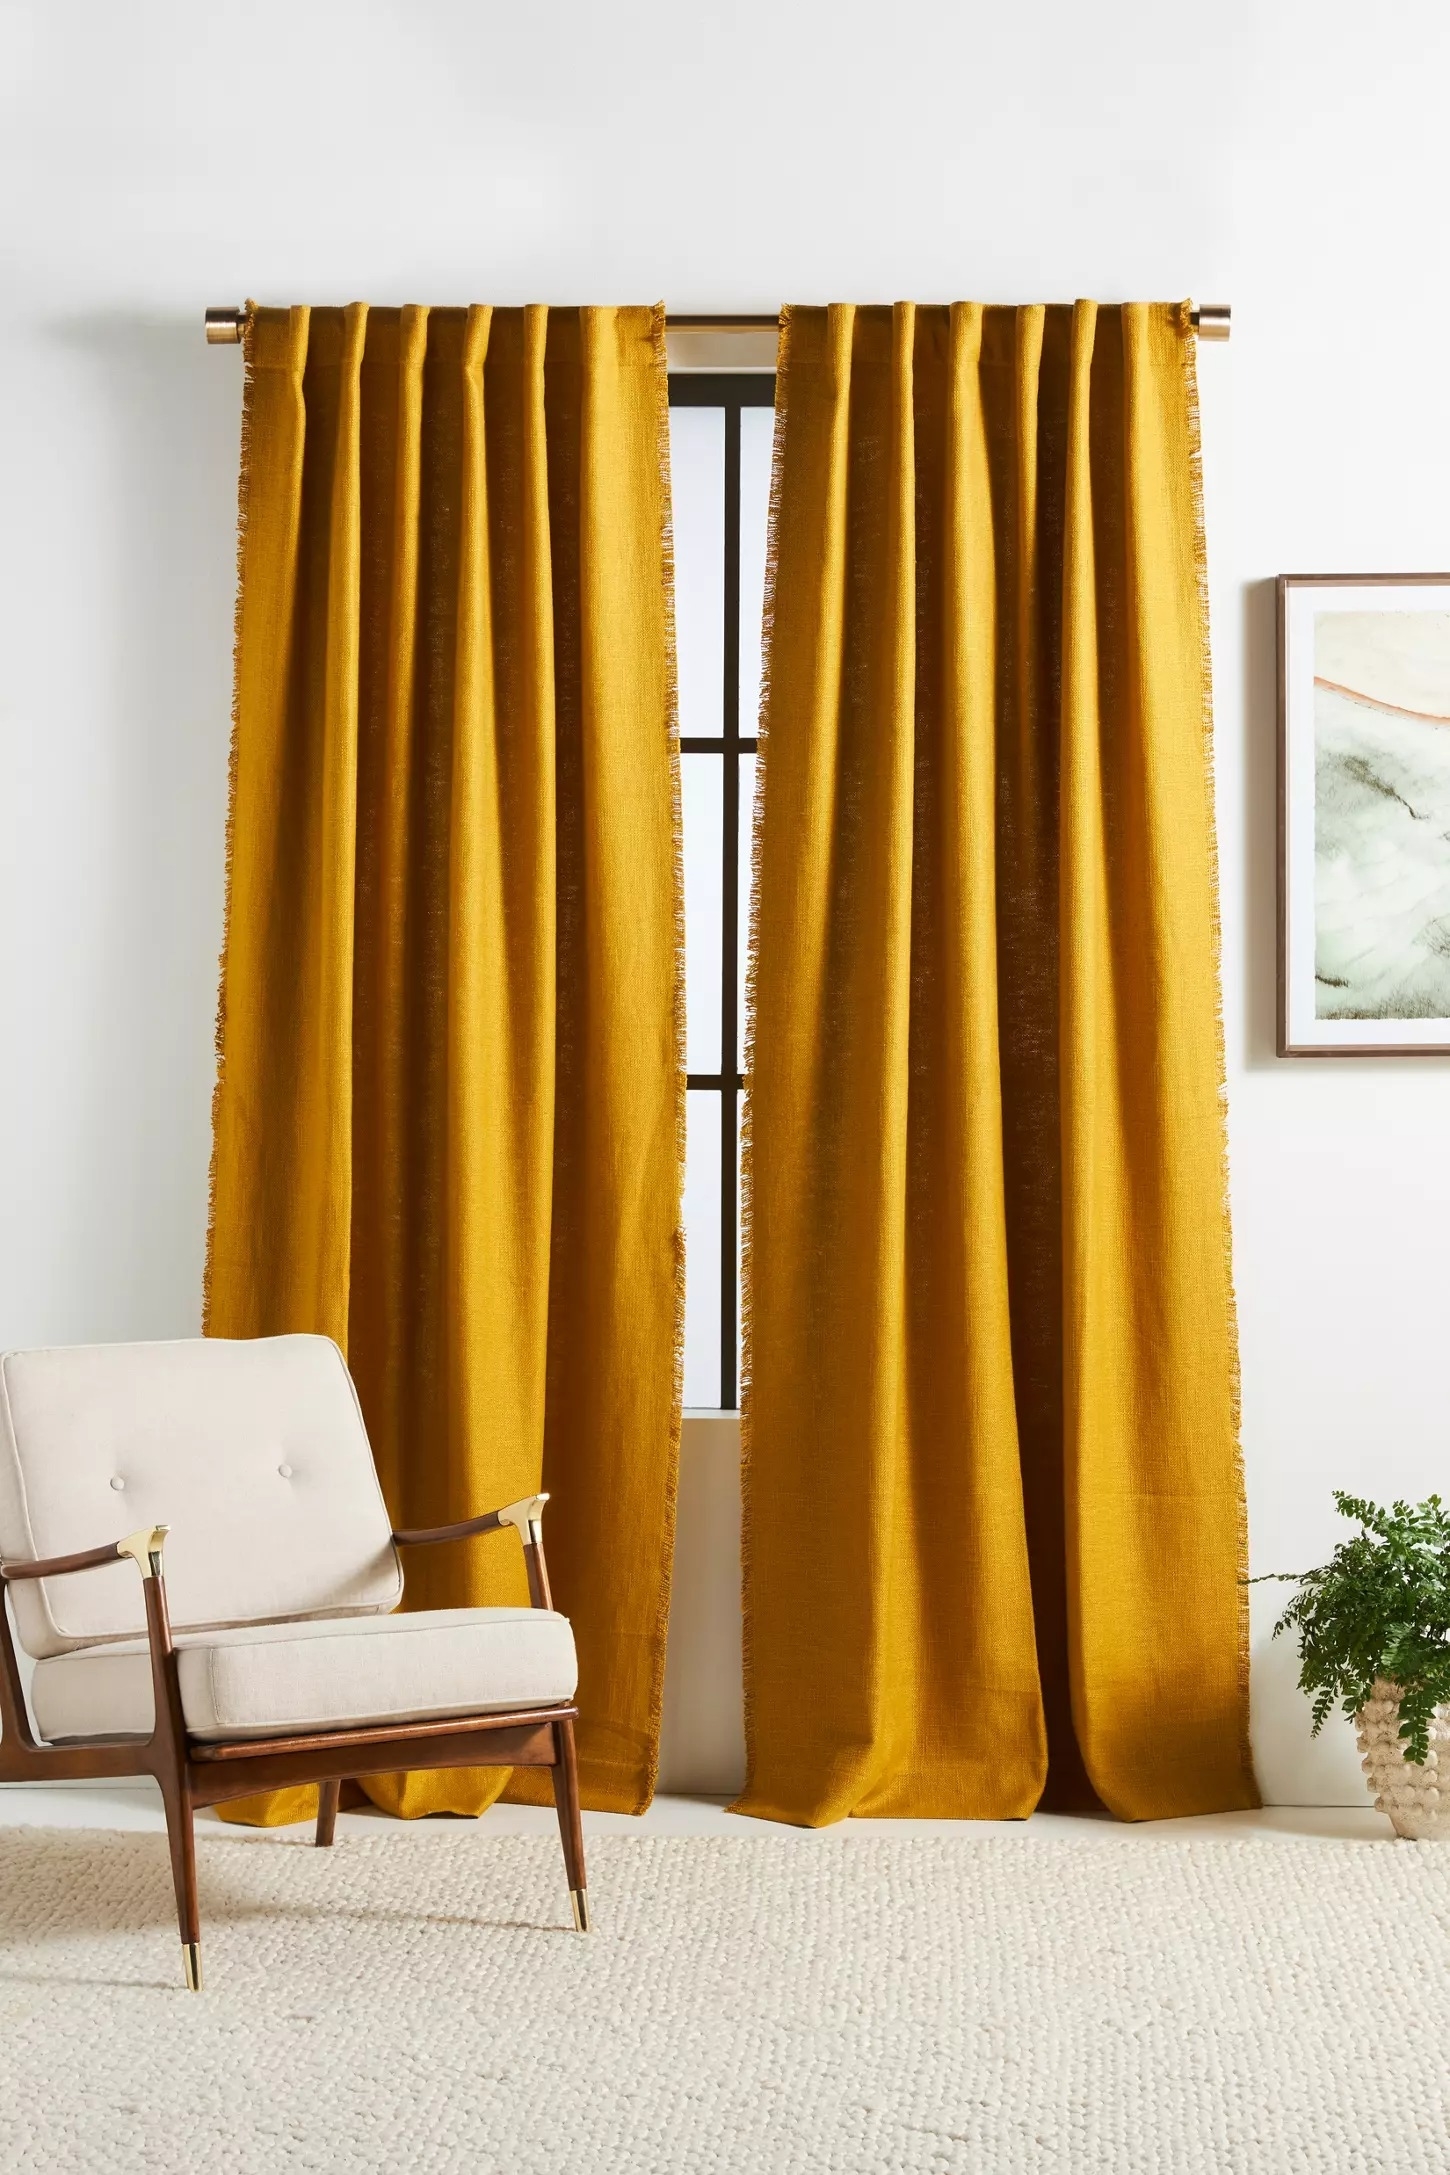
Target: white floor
138,1806
1065,1998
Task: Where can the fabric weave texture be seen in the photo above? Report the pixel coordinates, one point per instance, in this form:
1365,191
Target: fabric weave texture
993,1497
450,1096
964,2003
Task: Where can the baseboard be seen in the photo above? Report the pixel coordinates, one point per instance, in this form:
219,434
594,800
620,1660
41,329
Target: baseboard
85,1782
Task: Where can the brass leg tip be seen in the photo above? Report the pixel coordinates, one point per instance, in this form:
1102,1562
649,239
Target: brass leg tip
579,1898
191,1959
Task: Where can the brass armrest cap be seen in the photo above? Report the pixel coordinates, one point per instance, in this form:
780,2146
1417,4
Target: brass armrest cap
144,1547
528,1511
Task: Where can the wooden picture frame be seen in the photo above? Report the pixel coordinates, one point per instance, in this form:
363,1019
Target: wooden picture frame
1364,815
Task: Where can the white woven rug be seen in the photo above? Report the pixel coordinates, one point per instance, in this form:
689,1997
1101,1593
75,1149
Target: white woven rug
843,2003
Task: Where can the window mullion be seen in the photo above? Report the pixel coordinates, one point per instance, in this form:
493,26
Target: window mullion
730,395
730,920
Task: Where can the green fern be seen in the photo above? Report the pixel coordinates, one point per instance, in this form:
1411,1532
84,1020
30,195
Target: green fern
1380,1607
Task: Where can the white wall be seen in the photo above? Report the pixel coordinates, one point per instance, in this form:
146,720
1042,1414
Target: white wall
1284,155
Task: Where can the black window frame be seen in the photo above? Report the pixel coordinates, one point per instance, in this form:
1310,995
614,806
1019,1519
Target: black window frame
733,391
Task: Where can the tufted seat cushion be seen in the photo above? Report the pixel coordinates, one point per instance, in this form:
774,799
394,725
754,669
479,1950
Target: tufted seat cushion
260,1680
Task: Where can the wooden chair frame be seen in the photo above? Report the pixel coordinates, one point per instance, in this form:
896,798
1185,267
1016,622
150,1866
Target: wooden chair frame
196,1772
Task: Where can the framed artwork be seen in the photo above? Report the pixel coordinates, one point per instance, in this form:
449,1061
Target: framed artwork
1364,815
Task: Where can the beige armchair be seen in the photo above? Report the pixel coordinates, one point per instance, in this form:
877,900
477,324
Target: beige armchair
239,1634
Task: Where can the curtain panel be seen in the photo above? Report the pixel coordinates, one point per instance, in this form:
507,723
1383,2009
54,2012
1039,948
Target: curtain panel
449,1112
993,1499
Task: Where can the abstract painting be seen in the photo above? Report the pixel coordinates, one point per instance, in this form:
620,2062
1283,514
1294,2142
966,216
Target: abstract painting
1364,961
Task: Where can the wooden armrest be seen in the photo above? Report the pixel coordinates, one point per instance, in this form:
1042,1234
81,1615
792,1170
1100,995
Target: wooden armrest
526,1514
143,1546
422,1536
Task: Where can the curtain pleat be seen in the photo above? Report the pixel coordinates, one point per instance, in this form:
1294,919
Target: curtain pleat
449,1105
993,1505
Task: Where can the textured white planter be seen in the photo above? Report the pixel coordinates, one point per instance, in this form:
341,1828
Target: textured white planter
1415,1798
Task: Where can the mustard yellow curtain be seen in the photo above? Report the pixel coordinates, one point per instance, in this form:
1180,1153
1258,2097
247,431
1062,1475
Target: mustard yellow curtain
450,1098
993,1504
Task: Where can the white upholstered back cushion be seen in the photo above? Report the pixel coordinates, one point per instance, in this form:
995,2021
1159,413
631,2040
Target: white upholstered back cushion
254,1453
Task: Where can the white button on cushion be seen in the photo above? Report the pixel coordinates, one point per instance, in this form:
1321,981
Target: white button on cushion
285,1471
118,1483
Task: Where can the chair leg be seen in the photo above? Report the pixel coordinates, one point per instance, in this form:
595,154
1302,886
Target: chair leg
180,1834
328,1794
571,1827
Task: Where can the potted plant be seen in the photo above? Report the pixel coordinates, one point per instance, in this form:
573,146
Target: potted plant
1374,1639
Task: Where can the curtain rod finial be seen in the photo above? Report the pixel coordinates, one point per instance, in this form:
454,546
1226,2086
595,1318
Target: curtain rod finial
1211,320
224,326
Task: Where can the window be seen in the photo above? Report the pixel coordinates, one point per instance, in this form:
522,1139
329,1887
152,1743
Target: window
721,428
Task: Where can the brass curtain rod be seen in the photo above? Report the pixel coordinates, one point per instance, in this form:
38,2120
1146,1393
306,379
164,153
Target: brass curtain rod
224,326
